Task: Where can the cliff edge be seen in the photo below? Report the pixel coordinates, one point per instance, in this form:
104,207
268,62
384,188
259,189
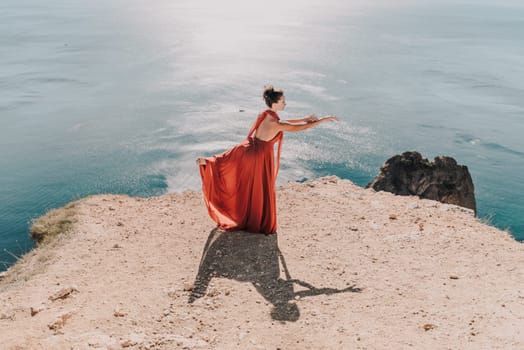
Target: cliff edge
350,268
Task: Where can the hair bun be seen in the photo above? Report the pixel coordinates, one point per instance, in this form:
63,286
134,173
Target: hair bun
271,95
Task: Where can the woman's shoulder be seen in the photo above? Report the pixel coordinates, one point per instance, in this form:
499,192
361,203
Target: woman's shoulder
269,112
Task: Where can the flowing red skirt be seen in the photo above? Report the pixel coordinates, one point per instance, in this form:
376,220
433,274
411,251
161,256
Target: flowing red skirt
239,184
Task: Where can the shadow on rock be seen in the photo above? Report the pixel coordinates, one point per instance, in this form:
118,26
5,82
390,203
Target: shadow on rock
254,258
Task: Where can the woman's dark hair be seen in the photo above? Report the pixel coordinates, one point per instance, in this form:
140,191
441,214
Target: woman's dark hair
271,95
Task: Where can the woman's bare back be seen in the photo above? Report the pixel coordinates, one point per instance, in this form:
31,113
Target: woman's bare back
267,130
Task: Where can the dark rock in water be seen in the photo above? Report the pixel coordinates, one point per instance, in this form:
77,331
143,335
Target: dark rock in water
442,180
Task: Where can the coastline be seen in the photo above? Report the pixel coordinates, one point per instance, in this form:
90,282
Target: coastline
369,269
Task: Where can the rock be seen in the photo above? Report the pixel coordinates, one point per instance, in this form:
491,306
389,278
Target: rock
62,294
60,322
35,310
119,313
443,179
128,343
8,316
428,326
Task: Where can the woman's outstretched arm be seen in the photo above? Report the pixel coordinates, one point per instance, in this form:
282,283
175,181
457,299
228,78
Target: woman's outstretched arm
309,119
286,125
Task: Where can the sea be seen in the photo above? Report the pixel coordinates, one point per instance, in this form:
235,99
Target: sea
121,96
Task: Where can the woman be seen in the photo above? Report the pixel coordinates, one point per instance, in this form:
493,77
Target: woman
239,184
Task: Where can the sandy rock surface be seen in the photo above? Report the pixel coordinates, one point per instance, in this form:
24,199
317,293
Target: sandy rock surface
350,268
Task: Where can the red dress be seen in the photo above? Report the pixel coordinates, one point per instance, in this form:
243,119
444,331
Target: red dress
239,184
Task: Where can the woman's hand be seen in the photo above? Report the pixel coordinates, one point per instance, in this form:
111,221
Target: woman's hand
329,118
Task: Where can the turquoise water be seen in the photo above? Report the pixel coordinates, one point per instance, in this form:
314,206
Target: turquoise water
121,96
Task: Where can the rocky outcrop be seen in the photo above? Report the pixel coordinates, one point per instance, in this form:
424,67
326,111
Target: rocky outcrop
443,179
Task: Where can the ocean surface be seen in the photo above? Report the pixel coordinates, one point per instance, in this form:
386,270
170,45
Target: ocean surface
121,96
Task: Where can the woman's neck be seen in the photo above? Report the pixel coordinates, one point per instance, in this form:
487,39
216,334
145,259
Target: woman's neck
273,114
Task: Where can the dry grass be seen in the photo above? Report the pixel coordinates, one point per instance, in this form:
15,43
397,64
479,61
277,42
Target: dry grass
54,223
46,231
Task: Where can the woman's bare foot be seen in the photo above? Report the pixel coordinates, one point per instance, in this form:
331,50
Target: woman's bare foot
201,161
